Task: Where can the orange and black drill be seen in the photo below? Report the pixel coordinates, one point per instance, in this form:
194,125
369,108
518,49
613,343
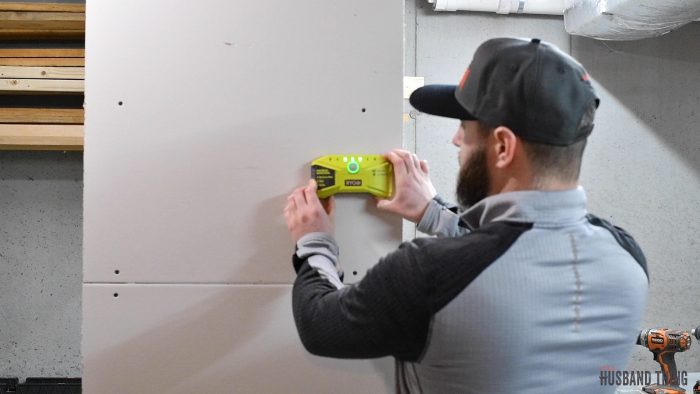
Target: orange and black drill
664,343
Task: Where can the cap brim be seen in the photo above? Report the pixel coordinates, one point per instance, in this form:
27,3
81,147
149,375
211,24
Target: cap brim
439,100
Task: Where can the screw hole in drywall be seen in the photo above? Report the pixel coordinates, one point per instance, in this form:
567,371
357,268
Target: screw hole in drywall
120,103
116,272
364,109
116,295
354,272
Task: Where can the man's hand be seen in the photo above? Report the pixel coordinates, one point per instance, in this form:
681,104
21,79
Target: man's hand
305,213
413,189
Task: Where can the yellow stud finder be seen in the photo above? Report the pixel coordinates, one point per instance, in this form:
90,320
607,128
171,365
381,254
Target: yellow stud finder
353,174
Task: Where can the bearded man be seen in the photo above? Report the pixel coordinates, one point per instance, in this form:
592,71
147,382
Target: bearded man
522,290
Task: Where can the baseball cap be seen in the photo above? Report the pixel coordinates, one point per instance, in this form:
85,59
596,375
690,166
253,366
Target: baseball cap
527,85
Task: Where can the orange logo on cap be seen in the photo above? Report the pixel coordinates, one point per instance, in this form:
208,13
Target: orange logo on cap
464,78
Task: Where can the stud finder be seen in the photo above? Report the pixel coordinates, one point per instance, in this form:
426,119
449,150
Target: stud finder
353,174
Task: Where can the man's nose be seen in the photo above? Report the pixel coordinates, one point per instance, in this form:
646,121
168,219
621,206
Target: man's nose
455,138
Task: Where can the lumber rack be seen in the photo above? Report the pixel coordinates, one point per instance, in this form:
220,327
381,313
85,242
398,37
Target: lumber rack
42,76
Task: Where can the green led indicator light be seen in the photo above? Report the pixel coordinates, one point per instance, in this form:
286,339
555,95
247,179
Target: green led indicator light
353,166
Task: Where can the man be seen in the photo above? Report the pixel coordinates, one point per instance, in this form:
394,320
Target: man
524,291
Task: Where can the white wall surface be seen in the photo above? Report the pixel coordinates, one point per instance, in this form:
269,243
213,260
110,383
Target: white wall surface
223,107
209,339
201,118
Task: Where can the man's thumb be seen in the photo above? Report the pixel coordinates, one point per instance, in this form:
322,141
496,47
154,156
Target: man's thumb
383,204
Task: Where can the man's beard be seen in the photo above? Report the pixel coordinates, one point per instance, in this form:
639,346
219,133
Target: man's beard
473,182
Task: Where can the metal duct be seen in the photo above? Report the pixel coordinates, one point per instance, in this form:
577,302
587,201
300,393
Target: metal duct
628,19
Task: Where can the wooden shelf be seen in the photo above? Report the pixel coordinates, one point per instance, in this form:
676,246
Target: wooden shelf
13,20
43,7
42,72
41,137
39,85
42,52
41,34
43,61
42,115
22,21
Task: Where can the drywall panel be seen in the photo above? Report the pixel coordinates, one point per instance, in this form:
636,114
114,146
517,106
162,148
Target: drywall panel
209,339
203,116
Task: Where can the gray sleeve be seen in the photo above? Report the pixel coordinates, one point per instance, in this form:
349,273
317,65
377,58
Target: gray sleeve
321,251
441,219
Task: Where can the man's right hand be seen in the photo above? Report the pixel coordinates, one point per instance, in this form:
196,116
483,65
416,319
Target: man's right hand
413,188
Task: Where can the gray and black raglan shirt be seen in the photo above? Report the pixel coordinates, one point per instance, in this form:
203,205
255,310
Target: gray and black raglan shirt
524,292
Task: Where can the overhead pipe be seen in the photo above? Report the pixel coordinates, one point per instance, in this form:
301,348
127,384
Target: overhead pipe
543,7
600,19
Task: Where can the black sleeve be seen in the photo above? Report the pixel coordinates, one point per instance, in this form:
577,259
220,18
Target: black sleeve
386,313
624,239
389,311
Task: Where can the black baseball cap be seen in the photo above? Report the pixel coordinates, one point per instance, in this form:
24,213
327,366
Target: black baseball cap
529,86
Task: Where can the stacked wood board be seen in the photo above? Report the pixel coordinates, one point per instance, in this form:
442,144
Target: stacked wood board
42,63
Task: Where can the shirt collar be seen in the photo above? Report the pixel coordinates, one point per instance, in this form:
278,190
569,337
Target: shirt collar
529,206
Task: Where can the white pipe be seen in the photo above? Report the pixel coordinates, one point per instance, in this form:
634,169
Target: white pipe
546,7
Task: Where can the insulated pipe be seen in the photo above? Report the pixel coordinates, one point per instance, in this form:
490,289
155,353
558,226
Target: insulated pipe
546,7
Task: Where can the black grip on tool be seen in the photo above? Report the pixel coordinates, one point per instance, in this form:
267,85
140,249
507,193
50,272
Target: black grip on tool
696,332
668,367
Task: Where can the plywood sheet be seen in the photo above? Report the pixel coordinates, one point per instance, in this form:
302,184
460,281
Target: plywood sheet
208,339
195,136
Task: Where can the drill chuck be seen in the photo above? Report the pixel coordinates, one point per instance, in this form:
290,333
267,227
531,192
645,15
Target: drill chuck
663,339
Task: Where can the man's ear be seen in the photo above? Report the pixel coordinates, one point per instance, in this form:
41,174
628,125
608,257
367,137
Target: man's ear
504,146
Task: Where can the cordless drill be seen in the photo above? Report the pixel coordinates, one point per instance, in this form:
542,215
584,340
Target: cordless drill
664,343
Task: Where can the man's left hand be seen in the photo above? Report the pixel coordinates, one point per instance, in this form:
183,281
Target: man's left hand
306,213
